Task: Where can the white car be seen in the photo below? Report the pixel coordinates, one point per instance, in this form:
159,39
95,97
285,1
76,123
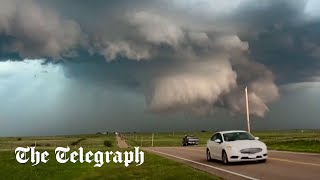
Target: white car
236,146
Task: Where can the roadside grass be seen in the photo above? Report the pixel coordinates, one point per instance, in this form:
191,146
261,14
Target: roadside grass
299,141
51,142
11,169
154,167
312,146
164,138
295,140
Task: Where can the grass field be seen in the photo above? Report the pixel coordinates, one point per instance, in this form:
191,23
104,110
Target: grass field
302,141
51,142
154,167
306,141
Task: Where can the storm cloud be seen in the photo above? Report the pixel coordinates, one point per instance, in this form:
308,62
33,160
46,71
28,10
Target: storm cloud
179,56
36,32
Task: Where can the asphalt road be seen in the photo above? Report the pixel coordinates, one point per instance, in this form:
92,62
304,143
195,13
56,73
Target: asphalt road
280,165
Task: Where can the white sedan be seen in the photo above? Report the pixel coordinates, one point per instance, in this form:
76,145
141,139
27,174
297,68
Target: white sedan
235,146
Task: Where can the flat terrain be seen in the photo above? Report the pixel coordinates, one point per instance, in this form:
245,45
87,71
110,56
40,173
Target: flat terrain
299,141
280,165
154,167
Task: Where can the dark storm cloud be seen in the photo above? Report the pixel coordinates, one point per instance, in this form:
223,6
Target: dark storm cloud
42,33
180,56
291,52
287,42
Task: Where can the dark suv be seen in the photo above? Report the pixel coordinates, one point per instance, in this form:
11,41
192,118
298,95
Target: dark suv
189,140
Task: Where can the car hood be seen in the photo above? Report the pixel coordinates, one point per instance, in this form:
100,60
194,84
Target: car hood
242,144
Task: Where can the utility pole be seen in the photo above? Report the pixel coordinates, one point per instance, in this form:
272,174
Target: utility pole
247,107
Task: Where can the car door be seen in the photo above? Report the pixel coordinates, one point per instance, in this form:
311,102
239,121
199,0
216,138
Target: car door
213,146
219,147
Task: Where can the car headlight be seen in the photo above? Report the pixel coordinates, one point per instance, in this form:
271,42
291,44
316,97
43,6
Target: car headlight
229,147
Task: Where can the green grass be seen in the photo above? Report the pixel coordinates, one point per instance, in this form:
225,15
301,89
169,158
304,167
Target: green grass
51,142
11,169
312,146
164,138
306,141
154,166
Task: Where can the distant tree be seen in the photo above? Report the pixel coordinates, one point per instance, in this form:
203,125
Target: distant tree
77,141
107,143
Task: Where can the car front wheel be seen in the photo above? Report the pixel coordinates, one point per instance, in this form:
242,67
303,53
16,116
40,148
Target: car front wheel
208,155
224,157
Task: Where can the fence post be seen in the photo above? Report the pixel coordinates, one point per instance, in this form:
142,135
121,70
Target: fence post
141,141
152,140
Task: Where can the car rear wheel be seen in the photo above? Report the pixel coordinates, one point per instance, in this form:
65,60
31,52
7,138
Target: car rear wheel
224,157
208,155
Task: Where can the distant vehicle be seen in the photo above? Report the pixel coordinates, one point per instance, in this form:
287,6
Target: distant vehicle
189,140
235,146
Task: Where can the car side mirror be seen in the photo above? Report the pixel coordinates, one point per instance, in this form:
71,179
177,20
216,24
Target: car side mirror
257,138
217,141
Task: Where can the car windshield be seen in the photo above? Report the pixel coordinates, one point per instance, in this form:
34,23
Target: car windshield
191,137
235,136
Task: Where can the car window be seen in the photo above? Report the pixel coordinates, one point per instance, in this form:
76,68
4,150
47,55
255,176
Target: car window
214,137
235,136
219,137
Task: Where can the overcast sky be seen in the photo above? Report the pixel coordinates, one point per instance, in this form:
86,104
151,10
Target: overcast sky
77,66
